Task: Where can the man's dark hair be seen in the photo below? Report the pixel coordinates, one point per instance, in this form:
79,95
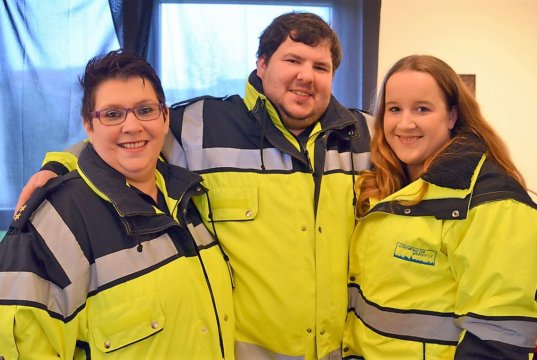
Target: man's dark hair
303,27
117,64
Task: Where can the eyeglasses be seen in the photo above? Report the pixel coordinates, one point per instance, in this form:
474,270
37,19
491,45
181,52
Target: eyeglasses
116,116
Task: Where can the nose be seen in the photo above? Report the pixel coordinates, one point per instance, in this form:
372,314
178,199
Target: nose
305,73
406,121
131,123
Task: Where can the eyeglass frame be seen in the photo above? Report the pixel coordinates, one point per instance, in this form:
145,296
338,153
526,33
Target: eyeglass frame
97,113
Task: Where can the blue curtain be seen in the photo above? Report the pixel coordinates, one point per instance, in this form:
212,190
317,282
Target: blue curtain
44,46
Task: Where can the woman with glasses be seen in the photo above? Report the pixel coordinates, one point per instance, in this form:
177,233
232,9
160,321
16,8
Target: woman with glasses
112,260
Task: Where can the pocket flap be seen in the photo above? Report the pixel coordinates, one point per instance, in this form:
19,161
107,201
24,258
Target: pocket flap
127,323
230,203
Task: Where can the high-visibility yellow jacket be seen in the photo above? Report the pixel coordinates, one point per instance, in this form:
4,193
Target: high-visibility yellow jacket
91,269
454,276
283,211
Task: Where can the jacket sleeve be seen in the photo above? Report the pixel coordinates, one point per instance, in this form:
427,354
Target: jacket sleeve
29,282
473,348
61,162
8,348
493,256
31,333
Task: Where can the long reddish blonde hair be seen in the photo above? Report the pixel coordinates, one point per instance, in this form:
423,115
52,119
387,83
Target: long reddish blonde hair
388,174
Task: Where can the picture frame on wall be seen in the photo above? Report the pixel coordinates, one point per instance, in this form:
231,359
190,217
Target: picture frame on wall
469,80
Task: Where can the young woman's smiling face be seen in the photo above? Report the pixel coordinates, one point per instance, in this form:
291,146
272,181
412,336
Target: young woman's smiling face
132,147
417,121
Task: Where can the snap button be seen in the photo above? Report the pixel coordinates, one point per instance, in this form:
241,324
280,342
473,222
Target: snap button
248,213
204,330
225,317
407,211
308,330
346,348
352,278
321,332
303,228
154,324
455,213
198,189
320,229
107,344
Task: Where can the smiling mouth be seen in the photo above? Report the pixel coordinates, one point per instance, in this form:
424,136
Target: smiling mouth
408,139
300,93
133,145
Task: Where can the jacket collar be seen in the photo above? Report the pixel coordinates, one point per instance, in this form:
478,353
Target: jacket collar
451,181
110,185
457,163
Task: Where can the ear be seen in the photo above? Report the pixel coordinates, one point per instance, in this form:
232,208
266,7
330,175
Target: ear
261,66
166,112
452,116
88,128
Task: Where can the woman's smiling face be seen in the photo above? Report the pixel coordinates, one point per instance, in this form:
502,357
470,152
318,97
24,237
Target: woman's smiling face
417,121
132,147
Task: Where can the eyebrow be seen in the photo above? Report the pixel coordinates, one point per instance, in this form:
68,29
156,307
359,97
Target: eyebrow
420,102
298,57
138,103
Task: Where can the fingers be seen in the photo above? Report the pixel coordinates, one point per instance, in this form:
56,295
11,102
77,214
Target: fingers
37,180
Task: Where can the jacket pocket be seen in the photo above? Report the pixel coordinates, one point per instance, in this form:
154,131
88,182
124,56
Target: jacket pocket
230,203
127,323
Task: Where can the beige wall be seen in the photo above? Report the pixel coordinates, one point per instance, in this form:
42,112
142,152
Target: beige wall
494,39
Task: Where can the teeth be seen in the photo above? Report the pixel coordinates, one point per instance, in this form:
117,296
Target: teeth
134,145
302,93
409,139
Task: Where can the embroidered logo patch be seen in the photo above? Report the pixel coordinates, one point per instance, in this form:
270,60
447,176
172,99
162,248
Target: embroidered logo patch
414,254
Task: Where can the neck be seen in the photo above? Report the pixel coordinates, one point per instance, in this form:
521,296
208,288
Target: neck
148,187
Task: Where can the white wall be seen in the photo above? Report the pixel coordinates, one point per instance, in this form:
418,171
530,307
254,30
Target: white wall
494,39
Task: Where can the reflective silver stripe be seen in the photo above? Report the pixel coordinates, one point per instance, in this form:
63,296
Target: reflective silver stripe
201,235
241,159
28,286
122,263
63,244
334,355
341,161
514,332
192,135
246,351
173,151
423,326
276,160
